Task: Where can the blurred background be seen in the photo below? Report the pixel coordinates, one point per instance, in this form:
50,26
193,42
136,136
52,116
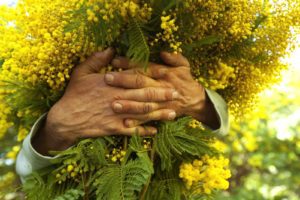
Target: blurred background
264,148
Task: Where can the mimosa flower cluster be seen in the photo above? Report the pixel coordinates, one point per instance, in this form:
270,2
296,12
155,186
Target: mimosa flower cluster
234,47
206,174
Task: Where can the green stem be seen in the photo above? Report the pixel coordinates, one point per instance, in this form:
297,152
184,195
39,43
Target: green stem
86,194
152,157
125,143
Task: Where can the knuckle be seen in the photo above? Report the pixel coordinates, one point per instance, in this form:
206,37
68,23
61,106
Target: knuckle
149,116
118,96
76,69
139,81
97,55
165,116
187,63
94,55
114,129
147,108
161,116
151,94
136,109
169,94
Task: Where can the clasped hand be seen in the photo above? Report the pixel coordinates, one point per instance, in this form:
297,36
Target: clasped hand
119,103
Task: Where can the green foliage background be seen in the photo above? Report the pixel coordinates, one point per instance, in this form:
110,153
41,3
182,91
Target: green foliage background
266,166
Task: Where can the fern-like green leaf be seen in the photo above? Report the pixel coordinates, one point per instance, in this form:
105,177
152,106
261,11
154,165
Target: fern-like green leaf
26,96
36,187
176,140
164,189
123,181
88,154
78,18
1,63
160,6
139,50
187,48
71,194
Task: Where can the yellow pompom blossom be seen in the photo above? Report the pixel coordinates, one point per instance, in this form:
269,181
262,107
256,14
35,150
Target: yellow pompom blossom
147,144
7,180
206,174
169,33
246,140
70,171
220,77
22,133
196,124
5,123
35,47
5,112
255,34
116,155
34,59
219,146
233,46
256,160
108,10
13,153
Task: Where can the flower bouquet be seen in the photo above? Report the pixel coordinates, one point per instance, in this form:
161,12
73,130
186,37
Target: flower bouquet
234,47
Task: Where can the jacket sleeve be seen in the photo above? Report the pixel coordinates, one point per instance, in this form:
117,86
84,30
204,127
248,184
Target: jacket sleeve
29,159
222,111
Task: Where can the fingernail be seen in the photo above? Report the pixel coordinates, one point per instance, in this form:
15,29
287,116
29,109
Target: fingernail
129,123
108,50
118,107
154,131
166,53
175,95
116,62
109,78
172,115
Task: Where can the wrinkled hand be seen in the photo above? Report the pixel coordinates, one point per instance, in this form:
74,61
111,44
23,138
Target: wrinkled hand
85,111
175,74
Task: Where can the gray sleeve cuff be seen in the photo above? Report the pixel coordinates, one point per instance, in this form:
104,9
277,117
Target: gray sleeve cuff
29,159
221,109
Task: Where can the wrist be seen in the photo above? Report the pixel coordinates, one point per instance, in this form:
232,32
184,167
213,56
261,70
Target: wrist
204,111
48,138
197,109
197,102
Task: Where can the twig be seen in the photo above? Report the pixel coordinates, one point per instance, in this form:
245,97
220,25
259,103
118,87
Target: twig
152,157
125,143
86,194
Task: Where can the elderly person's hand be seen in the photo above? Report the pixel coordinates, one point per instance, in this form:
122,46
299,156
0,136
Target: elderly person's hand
85,111
176,74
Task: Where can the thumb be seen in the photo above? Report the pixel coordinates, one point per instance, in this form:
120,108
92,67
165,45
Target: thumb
174,59
95,62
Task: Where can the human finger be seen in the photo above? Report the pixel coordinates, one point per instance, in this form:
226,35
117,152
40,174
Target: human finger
174,59
150,94
129,80
134,107
161,115
153,70
139,130
95,62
